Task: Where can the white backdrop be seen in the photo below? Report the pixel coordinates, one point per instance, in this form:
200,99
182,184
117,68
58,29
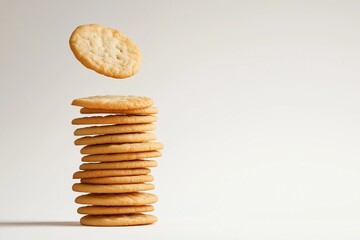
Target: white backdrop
259,114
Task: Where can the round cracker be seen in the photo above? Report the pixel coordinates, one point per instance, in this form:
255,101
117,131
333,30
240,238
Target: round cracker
116,138
140,111
114,119
113,102
120,156
110,173
118,220
121,148
101,210
119,199
112,188
105,50
114,129
119,165
118,180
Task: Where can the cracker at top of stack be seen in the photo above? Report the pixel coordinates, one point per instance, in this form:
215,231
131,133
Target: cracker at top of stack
114,102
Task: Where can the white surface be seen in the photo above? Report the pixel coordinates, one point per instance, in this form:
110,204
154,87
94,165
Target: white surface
259,106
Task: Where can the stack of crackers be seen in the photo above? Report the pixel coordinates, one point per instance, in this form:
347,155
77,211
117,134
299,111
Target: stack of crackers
118,148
